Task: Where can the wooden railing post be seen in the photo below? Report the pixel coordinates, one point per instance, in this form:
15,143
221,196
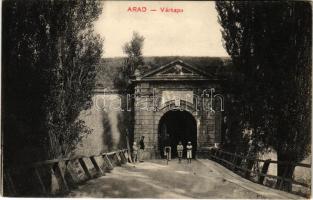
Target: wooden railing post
122,155
264,170
83,165
95,164
246,166
119,161
239,161
234,162
210,153
221,155
216,154
228,159
60,177
69,177
107,161
41,184
288,167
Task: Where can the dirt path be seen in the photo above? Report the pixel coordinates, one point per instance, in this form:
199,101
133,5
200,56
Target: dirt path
155,179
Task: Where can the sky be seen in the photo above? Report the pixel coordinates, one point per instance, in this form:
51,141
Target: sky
193,32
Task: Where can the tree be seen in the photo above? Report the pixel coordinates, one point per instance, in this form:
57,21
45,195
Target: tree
270,44
79,52
134,61
133,49
48,72
49,58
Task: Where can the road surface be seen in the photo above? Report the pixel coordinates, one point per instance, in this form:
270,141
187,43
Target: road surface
155,179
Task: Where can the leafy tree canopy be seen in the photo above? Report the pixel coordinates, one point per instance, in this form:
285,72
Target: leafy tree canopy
134,61
270,44
49,58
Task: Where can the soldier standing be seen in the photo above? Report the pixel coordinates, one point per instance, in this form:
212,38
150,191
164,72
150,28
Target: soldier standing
189,152
141,148
135,152
167,147
180,149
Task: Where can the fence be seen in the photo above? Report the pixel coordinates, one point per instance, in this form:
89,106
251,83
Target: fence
59,176
247,167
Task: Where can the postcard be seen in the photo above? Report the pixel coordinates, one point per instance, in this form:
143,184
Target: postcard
156,99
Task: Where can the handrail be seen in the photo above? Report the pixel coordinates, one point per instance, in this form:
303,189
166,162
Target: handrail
231,160
51,161
64,171
272,161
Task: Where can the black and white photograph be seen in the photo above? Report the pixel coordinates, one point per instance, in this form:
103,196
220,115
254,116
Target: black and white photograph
156,99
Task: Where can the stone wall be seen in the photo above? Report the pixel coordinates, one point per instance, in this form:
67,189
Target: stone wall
108,118
105,124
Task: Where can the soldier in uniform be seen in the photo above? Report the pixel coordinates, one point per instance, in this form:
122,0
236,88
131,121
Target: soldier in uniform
135,152
189,152
167,148
180,149
141,148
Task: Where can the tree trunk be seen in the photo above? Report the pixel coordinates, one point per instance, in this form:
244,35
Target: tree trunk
285,171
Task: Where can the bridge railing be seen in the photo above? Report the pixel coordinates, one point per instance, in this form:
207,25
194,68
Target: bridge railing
257,170
58,176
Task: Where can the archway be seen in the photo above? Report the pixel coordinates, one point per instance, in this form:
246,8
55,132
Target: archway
175,126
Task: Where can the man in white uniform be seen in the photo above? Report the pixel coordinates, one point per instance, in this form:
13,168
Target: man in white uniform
180,149
189,152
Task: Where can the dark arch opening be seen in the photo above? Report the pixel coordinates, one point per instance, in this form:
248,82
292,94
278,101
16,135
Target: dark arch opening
175,126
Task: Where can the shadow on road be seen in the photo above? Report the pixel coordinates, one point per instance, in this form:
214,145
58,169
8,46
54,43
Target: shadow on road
155,179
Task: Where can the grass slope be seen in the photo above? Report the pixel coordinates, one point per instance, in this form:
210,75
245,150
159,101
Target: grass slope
109,67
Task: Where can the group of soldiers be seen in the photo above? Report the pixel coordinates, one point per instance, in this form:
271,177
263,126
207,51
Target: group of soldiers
180,149
138,151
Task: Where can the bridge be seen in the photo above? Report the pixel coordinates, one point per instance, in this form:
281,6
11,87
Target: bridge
115,175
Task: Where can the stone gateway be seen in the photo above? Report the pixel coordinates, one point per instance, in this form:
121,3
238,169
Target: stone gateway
177,102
